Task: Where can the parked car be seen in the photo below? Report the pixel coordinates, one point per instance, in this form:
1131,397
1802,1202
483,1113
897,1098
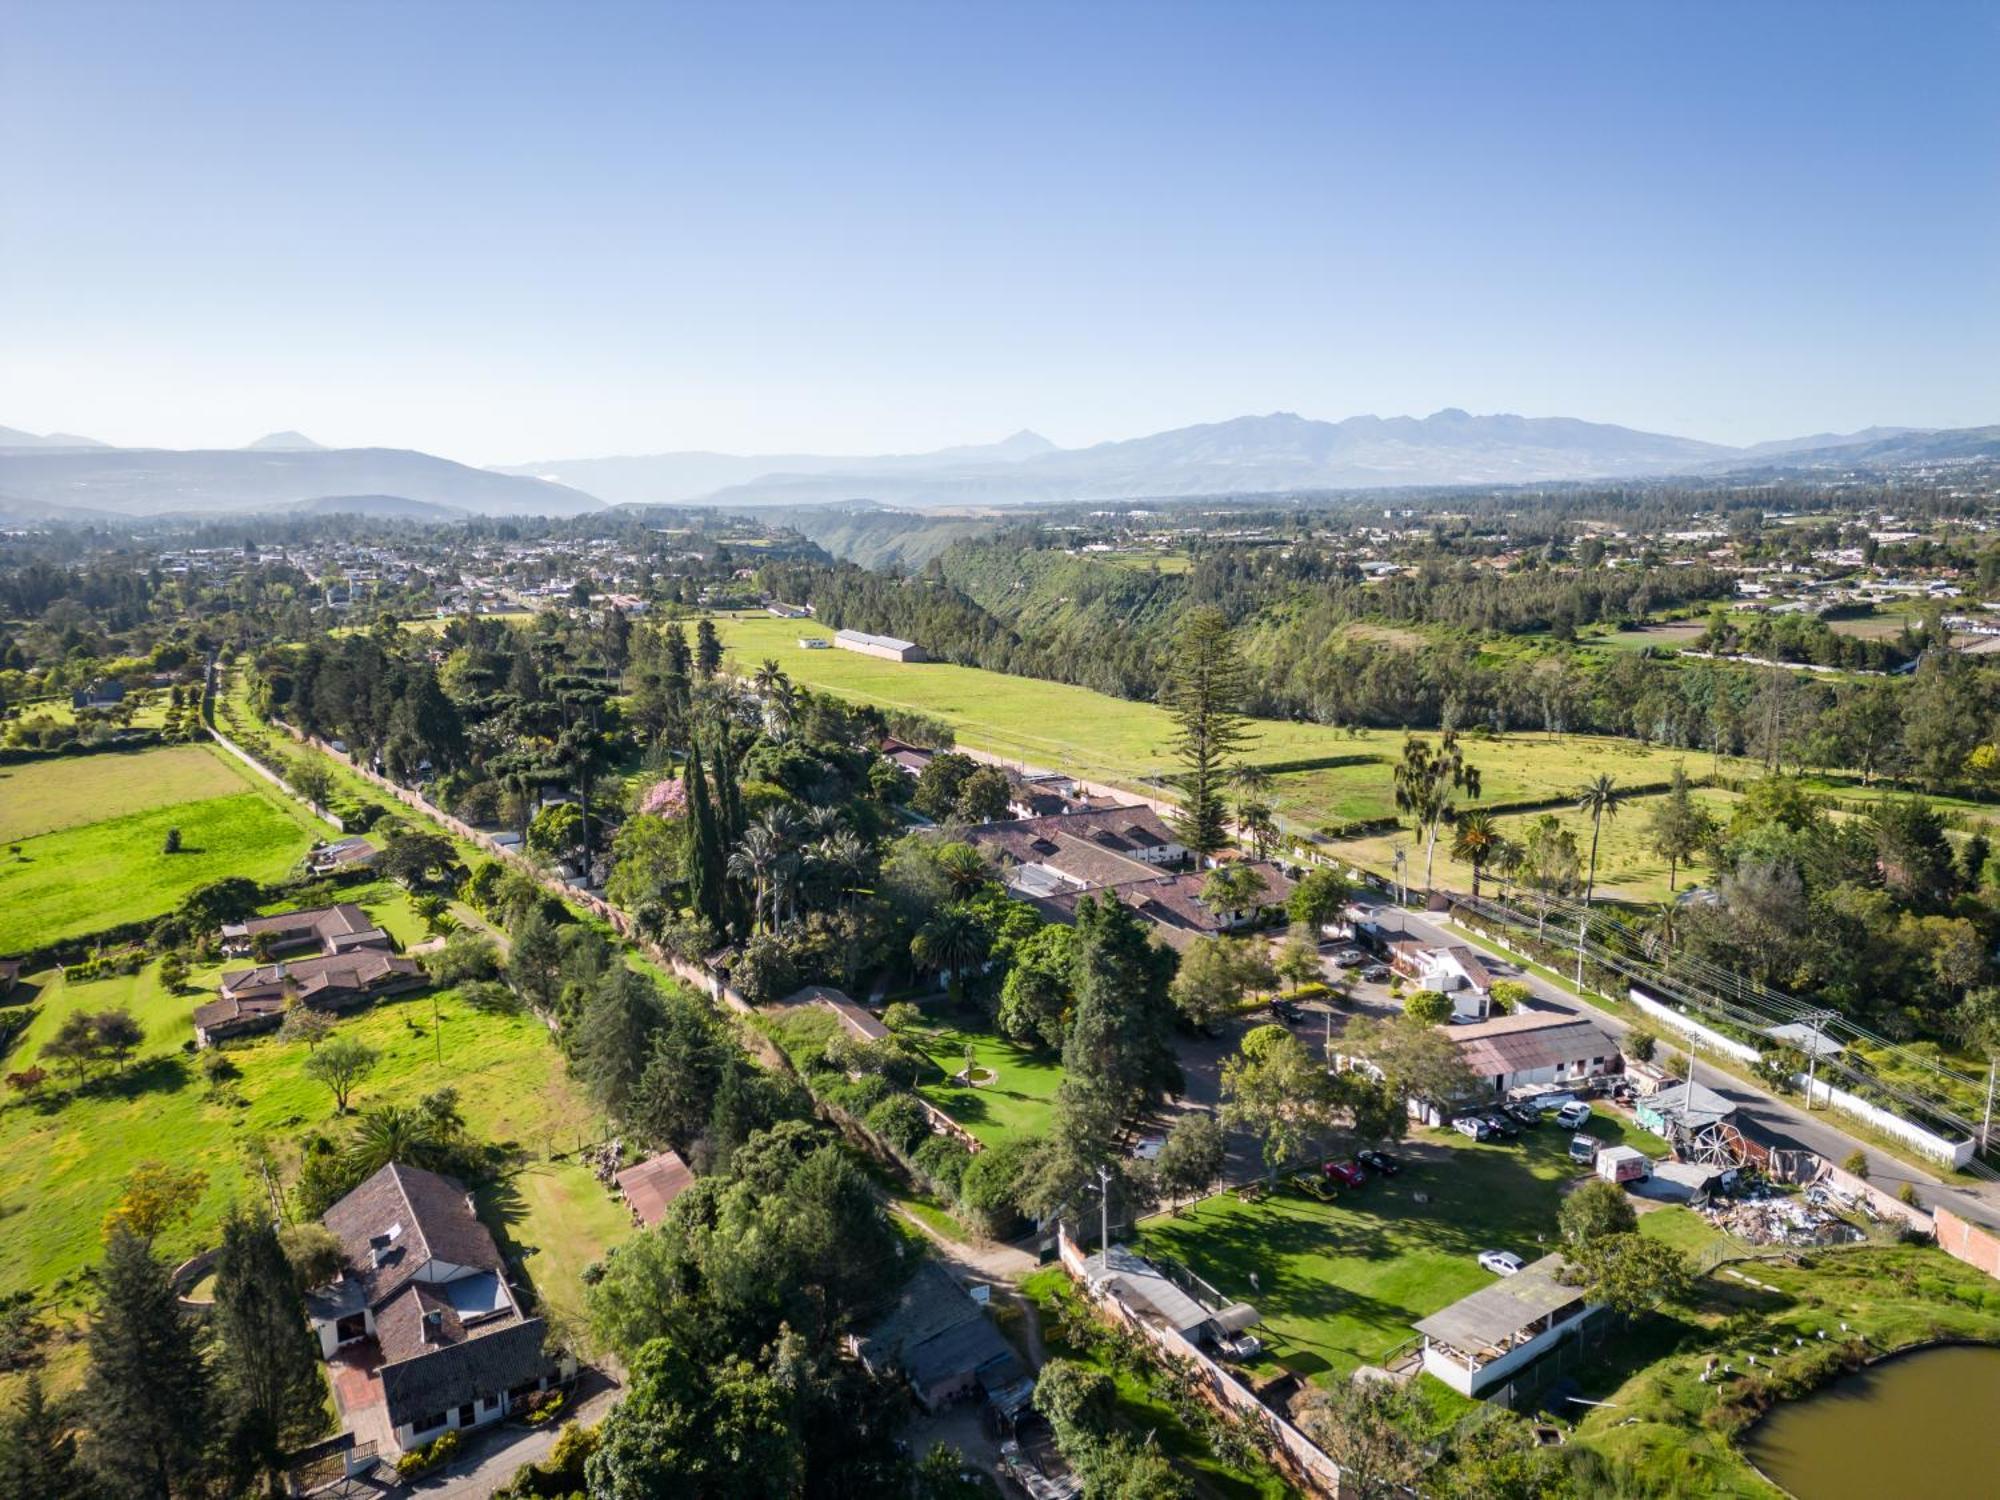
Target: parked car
1473,1126
1314,1186
1525,1112
1376,973
1502,1123
1380,1162
1147,1148
1346,1173
1243,1346
1572,1115
1349,958
1583,1148
1500,1262
1286,1011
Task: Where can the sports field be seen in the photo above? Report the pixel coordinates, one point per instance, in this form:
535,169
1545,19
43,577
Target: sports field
1113,739
85,848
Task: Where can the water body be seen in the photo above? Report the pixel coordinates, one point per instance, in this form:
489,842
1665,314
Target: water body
1919,1424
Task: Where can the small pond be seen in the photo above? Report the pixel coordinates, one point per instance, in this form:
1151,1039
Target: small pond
1922,1423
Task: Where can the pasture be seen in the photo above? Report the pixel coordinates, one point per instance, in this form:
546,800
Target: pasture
89,873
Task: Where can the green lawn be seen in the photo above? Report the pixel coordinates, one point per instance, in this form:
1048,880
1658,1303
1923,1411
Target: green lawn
1071,728
1018,1102
96,875
557,1218
63,1160
1339,1284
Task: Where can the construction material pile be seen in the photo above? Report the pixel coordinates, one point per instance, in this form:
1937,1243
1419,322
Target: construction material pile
1769,1218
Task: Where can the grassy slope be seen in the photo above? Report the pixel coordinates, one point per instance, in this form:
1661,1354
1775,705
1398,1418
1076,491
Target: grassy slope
99,874
1051,724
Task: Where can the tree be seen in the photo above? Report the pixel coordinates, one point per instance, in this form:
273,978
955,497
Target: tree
1600,800
1036,996
1215,975
1507,996
1630,1273
1417,1061
1320,897
964,869
722,1432
1233,888
116,1032
340,1064
557,831
412,856
1476,841
983,796
467,956
1297,962
1075,1398
1370,1428
1275,1089
173,842
38,1450
157,1196
952,944
1426,781
1640,1045
1190,1158
939,784
1680,827
1594,1210
1120,1043
146,1396
1432,1007
75,1043
1207,683
313,1252
534,959
173,972
304,1024
311,779
707,648
1550,863
267,1369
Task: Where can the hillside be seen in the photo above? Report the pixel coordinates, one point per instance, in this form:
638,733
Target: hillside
153,481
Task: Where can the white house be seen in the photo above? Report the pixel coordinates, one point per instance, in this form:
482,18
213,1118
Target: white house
1533,1048
1478,1341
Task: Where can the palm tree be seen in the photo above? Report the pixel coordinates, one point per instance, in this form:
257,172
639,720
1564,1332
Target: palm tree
964,869
1255,819
950,943
755,859
1475,841
846,854
769,676
1662,929
393,1133
1600,800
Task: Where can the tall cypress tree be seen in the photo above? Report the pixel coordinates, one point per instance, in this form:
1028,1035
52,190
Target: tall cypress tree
704,855
267,1367
146,1397
38,1451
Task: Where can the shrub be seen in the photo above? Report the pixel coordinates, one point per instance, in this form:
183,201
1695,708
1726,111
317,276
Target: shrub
990,1186
900,1121
1639,1045
1857,1163
944,1161
1432,1007
1508,996
543,1408
173,844
432,1455
901,1016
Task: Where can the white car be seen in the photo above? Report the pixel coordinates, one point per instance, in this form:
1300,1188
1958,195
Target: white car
1500,1262
1572,1115
1148,1148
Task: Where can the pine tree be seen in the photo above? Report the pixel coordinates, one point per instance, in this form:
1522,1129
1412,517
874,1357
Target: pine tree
1206,685
705,853
707,648
146,1396
267,1365
37,1450
680,661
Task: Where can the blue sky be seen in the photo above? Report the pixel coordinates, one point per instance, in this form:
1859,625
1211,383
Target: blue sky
510,231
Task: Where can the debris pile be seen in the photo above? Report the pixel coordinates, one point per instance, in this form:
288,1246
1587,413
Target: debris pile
1775,1219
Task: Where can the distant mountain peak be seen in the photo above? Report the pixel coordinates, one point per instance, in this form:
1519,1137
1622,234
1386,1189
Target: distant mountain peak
14,437
284,442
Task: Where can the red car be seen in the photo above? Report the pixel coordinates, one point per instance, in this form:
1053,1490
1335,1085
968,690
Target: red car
1346,1173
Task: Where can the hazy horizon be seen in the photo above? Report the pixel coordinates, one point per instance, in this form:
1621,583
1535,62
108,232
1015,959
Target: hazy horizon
514,234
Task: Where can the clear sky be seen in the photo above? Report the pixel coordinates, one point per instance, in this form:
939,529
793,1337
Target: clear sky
509,231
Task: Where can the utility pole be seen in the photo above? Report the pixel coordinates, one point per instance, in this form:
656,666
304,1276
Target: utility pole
1986,1126
1582,924
1818,1018
1104,1215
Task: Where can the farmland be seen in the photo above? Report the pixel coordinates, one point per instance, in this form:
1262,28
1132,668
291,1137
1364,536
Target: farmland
97,858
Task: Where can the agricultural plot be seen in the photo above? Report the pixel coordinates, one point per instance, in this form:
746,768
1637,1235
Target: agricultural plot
1339,1284
97,870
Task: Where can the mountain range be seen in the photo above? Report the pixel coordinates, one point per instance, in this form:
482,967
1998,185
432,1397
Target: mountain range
44,476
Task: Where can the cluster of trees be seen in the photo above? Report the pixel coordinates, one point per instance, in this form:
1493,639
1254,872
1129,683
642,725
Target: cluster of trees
175,1407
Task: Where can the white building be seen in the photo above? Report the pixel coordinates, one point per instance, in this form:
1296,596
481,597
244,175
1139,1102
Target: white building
1480,1340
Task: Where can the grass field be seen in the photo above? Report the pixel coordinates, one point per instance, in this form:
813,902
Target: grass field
1020,1100
1054,725
63,1160
1627,867
46,795
1339,1284
148,709
88,876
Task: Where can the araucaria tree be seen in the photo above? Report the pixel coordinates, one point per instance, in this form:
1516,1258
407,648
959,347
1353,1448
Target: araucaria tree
1427,779
1206,686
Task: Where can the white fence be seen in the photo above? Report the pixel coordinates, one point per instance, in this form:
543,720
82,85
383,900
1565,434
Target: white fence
1666,1015
1944,1149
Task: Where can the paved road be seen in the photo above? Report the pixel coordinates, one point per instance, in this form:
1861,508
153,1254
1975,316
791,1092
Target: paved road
1773,1120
